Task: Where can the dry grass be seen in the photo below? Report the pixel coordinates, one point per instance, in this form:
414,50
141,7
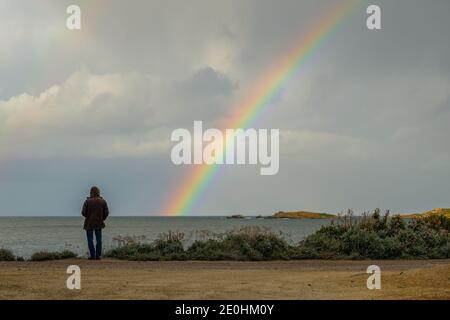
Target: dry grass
437,211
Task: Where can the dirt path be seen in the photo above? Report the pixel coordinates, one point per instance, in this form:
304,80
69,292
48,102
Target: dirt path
111,279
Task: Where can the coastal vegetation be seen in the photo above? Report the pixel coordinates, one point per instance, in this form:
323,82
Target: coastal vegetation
246,243
6,255
45,255
376,236
370,236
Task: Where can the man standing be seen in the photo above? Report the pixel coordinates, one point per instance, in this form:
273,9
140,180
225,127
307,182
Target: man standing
95,211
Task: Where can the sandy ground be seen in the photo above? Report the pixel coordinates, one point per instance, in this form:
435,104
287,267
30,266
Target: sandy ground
110,279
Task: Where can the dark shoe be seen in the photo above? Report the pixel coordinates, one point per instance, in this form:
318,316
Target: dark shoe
98,258
90,258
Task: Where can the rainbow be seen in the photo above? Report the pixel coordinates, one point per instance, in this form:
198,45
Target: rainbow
188,193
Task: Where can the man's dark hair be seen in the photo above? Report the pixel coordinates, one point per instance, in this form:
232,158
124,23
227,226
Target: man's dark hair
95,192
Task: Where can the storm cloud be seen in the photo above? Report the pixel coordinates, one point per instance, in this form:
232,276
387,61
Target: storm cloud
363,124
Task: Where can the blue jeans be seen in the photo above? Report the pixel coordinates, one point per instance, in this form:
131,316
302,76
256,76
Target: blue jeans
95,252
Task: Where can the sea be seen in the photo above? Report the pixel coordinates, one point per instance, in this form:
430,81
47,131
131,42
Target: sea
26,235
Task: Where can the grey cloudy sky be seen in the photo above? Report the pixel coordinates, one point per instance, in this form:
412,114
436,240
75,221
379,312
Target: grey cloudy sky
364,124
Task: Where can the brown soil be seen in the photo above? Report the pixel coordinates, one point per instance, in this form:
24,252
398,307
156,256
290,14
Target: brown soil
318,279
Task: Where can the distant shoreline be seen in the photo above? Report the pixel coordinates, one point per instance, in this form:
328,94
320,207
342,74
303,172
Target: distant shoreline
277,215
288,215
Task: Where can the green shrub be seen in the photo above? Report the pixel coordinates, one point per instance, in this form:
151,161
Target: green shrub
45,255
210,249
372,236
66,254
6,255
253,243
168,248
158,250
131,252
247,243
379,237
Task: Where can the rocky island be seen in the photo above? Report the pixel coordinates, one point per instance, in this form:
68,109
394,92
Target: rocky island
302,215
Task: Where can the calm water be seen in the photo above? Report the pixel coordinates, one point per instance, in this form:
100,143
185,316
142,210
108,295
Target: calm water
27,235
